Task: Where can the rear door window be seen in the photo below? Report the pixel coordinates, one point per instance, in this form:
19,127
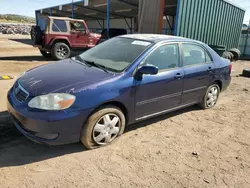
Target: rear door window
194,55
59,26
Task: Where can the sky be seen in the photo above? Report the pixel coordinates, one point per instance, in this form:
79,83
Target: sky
28,7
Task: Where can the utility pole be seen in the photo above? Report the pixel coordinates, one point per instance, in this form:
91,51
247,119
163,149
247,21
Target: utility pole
72,9
108,17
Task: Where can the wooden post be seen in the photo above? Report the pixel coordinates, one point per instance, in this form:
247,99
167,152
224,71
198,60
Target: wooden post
162,5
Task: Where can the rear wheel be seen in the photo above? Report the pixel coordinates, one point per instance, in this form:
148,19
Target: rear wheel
46,54
60,51
211,97
103,127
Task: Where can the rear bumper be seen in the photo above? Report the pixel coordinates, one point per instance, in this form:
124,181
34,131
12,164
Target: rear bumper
225,84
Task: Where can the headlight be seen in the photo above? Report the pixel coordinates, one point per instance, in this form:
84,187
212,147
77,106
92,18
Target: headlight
53,101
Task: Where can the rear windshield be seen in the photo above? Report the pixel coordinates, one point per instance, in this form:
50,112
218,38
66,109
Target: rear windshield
117,53
42,23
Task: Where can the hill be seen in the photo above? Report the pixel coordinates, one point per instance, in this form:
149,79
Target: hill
16,18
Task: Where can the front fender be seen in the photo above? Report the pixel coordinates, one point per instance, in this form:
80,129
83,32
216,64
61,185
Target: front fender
96,95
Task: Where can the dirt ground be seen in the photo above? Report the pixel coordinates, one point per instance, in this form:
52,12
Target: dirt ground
153,153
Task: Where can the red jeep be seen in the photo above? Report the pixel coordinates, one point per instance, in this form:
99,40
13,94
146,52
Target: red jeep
57,37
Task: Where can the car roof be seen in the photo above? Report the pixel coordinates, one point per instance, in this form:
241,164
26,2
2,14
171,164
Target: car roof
155,38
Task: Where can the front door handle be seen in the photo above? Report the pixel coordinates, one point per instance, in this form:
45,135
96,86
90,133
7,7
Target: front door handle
178,76
209,69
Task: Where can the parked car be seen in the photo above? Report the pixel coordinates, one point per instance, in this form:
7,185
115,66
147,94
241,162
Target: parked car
57,36
94,96
113,32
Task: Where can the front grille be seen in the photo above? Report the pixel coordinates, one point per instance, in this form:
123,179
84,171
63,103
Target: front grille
20,93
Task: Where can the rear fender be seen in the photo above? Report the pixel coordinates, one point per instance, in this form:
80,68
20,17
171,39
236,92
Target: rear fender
59,39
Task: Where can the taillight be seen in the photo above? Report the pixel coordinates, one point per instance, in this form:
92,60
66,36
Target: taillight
230,67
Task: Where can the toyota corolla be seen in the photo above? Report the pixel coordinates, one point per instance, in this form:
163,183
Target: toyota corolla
92,97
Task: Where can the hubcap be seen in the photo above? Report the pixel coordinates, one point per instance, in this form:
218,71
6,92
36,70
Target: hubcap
62,51
106,129
212,96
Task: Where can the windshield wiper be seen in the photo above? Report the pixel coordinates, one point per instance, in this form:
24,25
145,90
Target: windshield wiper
96,65
79,58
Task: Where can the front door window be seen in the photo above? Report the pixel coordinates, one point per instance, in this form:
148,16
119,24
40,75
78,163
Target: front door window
77,26
165,57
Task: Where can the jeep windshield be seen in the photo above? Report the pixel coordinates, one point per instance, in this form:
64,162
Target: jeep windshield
115,54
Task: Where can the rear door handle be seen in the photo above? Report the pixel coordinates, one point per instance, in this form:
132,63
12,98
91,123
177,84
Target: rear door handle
178,76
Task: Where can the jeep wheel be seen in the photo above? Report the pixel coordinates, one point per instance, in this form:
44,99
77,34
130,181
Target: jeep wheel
60,51
46,54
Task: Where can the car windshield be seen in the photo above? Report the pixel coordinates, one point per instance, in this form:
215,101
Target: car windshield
115,54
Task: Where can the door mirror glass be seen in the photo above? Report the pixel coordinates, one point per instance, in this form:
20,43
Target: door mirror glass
83,32
148,69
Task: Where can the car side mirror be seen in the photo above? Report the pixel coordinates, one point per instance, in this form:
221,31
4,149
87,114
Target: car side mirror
148,69
83,32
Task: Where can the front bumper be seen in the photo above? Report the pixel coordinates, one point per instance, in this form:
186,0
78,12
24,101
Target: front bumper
38,126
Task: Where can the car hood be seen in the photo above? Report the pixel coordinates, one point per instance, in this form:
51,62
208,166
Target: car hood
60,77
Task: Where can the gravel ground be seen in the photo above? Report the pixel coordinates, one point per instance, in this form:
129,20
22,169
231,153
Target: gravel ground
187,148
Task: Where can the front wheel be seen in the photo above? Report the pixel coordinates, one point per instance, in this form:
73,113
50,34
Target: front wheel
211,97
60,51
103,127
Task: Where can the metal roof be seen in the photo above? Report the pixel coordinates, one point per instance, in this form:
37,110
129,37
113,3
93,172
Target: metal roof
96,10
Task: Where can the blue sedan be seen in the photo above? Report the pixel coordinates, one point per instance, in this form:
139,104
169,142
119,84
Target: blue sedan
92,97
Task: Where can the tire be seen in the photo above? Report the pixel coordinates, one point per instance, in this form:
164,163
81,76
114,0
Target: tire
92,139
225,55
236,53
246,73
32,32
45,54
228,55
231,56
60,51
37,35
204,103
